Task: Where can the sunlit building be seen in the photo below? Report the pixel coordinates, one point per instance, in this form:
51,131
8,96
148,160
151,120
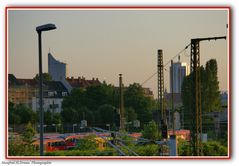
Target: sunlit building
180,70
57,70
21,91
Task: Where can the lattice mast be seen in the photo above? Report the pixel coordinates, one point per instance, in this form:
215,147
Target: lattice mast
196,125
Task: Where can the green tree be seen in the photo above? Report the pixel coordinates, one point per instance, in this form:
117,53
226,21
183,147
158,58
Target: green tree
213,148
76,99
13,117
28,134
210,95
99,95
107,114
134,97
52,118
130,114
213,102
151,131
70,115
21,114
45,77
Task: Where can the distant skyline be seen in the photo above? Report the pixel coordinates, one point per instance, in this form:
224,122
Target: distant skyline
104,43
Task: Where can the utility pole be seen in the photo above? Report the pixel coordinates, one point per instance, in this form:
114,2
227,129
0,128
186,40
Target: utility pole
122,118
162,120
196,125
172,97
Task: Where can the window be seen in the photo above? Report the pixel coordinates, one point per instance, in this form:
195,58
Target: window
50,94
64,94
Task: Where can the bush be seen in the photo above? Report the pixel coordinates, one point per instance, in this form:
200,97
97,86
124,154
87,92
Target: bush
151,131
107,152
87,143
213,148
184,148
17,148
147,150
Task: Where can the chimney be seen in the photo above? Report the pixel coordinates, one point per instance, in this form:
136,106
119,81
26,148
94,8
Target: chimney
93,79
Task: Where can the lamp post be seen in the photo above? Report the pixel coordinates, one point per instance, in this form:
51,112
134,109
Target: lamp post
39,29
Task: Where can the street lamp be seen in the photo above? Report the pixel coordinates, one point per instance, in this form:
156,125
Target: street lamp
39,29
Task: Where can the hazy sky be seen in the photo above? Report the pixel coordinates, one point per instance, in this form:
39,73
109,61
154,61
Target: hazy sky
104,43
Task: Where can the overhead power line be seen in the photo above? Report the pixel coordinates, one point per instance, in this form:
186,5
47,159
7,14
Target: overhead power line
151,76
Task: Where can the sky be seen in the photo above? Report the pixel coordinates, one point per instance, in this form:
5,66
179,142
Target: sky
104,43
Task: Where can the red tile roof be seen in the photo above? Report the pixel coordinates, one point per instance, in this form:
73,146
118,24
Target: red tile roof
82,82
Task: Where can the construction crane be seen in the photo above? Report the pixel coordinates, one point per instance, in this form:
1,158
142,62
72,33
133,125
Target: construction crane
196,131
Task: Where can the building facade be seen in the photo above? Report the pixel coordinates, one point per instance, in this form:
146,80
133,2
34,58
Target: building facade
26,91
21,91
180,70
53,94
57,70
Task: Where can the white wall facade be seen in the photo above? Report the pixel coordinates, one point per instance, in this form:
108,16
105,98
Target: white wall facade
48,104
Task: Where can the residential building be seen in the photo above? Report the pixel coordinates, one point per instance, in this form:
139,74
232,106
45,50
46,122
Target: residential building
148,93
81,82
53,94
21,90
26,91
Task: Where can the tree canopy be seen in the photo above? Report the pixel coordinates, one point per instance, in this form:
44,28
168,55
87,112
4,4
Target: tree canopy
210,94
101,102
45,77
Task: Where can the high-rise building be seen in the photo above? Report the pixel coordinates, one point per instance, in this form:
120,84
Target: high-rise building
180,70
57,70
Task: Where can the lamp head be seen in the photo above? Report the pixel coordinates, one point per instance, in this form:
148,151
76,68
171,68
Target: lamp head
45,27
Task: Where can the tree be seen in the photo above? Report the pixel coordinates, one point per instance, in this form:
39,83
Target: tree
107,113
13,118
210,95
45,77
70,115
213,102
21,114
76,99
99,95
28,134
130,114
134,97
52,118
151,131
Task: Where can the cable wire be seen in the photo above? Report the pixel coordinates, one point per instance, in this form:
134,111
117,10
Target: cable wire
166,64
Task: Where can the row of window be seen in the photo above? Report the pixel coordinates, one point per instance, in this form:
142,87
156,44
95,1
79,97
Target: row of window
50,94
